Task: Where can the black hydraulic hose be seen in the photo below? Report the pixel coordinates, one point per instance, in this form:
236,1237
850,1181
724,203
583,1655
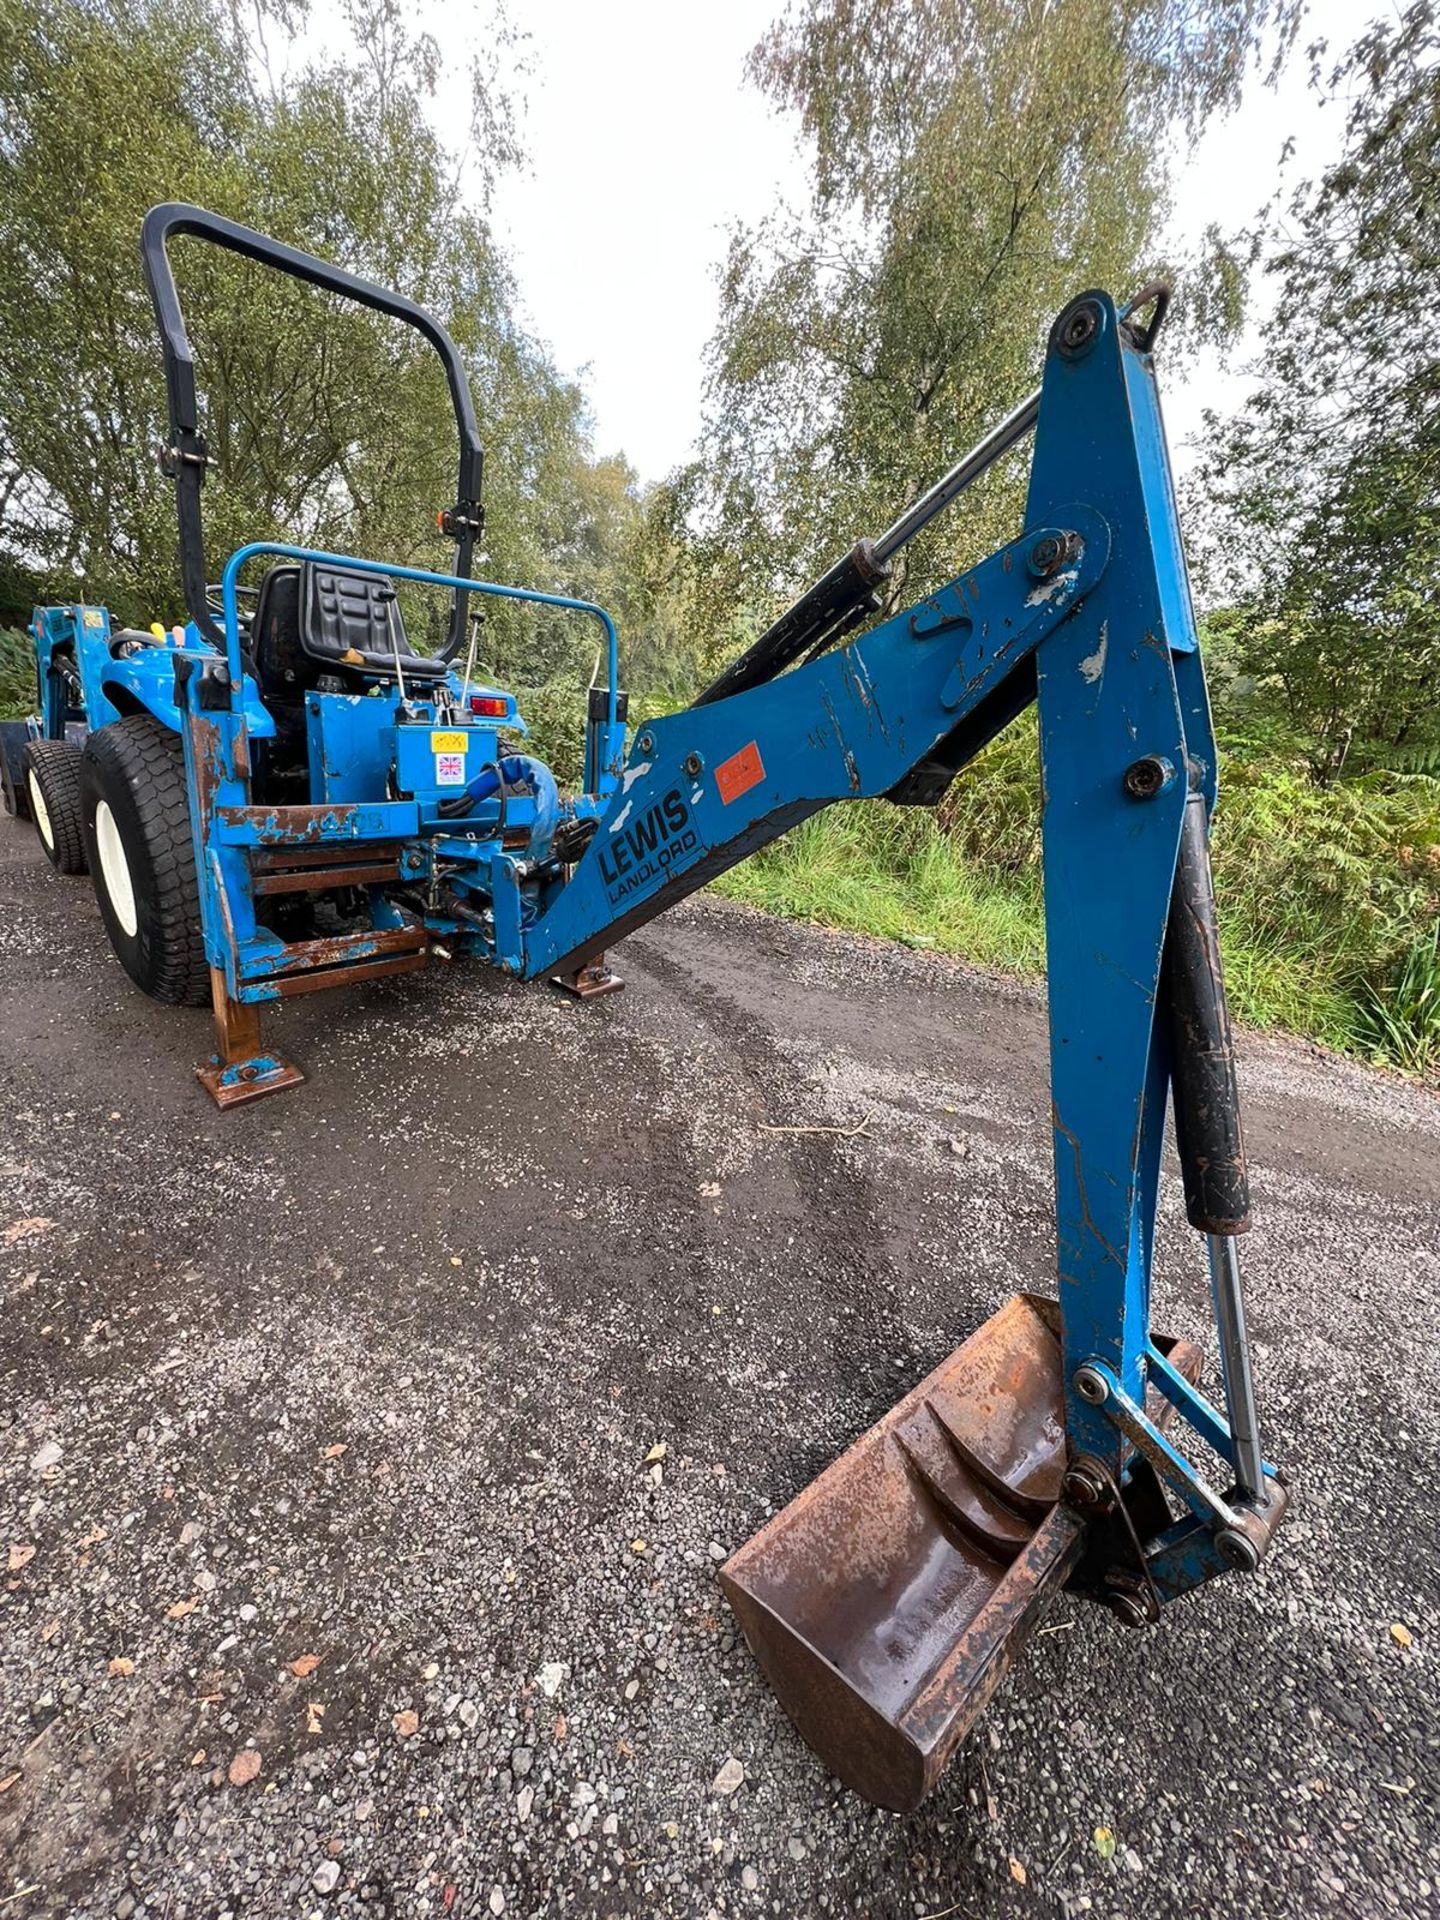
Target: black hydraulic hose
479,789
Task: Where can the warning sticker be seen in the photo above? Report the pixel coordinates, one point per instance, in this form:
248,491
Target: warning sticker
447,743
93,617
741,772
449,767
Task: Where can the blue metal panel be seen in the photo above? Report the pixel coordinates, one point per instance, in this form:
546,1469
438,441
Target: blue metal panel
704,787
147,677
80,635
351,743
436,761
113,686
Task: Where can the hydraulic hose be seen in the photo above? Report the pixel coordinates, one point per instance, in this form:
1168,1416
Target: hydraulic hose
516,773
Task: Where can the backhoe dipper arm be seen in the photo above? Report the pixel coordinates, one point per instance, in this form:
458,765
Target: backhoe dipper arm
1088,614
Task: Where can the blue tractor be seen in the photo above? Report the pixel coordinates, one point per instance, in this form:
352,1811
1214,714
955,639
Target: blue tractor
288,758
376,801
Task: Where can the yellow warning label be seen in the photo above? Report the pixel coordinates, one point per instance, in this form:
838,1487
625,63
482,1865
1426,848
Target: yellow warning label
447,742
94,617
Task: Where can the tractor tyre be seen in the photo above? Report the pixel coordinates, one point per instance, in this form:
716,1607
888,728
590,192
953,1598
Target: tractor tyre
52,782
142,857
14,793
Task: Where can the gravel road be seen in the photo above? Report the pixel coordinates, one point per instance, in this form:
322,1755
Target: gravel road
339,1581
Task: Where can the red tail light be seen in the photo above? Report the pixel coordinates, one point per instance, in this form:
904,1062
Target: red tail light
489,705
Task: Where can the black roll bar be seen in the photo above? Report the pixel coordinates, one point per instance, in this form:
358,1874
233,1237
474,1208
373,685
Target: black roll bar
186,456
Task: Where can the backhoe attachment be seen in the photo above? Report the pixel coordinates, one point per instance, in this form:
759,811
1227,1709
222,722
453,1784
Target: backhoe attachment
1057,1446
887,1600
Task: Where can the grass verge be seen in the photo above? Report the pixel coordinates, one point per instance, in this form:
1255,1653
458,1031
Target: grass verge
1328,899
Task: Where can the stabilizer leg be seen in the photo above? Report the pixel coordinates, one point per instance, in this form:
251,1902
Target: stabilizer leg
589,982
241,1070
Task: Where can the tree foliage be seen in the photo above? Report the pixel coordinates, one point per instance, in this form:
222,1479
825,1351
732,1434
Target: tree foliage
326,423
975,163
1324,490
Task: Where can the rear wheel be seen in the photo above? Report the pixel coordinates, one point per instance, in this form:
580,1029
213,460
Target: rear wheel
52,784
142,858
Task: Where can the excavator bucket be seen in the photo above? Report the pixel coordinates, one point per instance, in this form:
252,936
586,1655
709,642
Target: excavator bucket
886,1603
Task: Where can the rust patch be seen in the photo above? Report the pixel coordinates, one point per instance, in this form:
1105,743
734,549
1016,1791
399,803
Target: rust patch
343,949
299,826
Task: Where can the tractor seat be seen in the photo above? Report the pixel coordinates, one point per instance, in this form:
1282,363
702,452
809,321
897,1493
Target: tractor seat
311,620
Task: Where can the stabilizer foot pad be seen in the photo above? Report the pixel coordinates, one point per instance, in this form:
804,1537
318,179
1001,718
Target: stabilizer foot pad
590,981
245,1080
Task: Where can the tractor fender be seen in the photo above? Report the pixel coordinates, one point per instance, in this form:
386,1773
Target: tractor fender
144,682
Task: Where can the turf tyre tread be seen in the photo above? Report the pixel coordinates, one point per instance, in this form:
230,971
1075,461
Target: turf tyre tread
137,766
55,765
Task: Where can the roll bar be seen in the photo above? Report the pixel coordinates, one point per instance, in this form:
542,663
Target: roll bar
186,455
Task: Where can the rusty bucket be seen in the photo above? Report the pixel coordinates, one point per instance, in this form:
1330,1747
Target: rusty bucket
888,1600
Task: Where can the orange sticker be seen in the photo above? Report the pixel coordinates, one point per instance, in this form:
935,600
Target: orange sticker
739,773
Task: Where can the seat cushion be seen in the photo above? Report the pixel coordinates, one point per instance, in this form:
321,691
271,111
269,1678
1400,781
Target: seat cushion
310,620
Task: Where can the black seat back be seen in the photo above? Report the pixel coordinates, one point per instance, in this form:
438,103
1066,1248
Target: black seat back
353,620
311,620
281,667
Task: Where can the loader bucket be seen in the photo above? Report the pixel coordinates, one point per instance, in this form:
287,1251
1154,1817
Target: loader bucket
887,1601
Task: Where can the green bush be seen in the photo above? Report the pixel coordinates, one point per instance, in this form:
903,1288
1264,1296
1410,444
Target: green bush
895,872
1322,891
1400,1018
17,674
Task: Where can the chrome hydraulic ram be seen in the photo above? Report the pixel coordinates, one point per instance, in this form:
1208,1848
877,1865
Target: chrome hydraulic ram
965,472
1207,1121
849,591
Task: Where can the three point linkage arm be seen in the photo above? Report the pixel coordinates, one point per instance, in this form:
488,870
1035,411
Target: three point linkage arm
1088,615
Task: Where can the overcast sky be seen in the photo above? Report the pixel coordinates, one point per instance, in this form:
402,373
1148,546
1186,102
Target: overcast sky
645,144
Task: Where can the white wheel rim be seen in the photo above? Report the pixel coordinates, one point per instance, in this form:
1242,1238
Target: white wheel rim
40,811
115,868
